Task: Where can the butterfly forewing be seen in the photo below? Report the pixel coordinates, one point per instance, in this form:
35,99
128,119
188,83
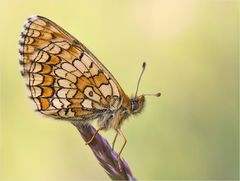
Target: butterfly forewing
64,78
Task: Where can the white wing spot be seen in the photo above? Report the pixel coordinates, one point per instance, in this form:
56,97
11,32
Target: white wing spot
91,94
63,45
57,103
106,90
66,93
80,66
87,103
53,49
86,60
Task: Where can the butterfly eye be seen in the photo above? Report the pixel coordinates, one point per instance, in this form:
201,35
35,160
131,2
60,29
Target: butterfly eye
134,105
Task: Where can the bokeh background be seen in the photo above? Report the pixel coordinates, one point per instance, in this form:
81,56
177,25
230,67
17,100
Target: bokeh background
191,49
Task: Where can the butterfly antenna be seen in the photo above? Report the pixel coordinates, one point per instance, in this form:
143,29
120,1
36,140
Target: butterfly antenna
143,68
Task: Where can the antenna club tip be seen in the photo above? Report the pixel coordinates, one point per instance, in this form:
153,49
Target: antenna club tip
158,94
144,65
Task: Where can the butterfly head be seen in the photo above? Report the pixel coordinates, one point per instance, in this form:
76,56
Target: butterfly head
137,104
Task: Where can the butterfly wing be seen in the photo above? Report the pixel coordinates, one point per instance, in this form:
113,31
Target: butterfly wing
64,78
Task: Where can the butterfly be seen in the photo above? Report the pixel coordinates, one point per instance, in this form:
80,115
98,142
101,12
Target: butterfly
67,82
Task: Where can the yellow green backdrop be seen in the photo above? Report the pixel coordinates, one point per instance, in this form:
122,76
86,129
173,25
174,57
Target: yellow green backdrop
191,49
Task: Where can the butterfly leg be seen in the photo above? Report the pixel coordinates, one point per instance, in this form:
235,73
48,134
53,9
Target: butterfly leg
99,129
115,138
120,152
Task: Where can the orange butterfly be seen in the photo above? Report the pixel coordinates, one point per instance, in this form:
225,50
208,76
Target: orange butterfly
66,81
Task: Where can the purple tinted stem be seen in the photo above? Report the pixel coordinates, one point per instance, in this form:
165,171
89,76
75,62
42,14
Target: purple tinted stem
107,158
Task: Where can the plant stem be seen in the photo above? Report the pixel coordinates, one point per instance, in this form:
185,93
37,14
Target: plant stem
107,158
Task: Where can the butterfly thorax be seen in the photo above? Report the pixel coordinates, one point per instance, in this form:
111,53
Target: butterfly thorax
115,118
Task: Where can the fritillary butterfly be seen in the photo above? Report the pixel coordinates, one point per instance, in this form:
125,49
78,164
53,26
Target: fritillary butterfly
66,81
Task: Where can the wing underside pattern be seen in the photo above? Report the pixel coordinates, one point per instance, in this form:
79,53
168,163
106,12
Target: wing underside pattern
65,80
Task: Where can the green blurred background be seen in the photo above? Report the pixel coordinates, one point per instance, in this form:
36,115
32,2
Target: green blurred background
191,49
